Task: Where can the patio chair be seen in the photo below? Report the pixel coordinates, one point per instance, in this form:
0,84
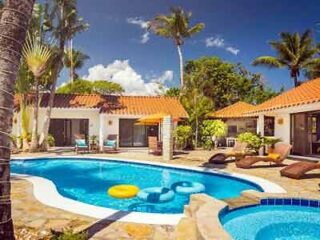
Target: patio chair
154,146
239,150
110,144
299,169
81,145
280,153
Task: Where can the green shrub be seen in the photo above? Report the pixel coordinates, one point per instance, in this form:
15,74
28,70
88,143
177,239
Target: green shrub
182,134
94,139
212,129
254,141
270,141
51,140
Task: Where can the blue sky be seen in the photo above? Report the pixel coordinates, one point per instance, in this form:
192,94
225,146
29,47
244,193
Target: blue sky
115,37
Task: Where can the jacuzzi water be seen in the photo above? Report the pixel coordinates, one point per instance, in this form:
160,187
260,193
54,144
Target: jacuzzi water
88,180
277,222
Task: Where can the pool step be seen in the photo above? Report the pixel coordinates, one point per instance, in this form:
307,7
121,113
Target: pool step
241,201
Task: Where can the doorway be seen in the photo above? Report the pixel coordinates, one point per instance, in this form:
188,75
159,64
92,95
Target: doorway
64,130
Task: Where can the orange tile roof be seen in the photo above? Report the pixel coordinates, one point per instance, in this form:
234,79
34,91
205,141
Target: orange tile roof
122,105
236,110
306,93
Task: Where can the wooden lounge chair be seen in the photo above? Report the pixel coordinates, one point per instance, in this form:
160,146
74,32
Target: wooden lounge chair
239,150
279,154
299,169
111,143
154,146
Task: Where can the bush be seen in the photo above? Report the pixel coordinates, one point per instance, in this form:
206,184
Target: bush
254,141
51,141
182,135
212,129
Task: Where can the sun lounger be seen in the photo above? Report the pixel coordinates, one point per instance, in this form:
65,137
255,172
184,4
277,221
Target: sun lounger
299,169
239,150
279,154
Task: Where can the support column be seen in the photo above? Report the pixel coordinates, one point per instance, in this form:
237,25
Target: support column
167,138
260,125
102,125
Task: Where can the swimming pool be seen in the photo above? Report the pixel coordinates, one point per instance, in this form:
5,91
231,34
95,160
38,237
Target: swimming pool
86,181
276,222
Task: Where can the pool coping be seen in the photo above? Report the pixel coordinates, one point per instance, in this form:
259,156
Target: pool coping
54,199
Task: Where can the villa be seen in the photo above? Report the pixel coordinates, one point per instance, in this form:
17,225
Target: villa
103,115
293,116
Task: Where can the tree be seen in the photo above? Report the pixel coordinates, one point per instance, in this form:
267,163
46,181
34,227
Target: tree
74,59
88,87
14,23
37,58
63,21
223,82
175,26
173,92
293,51
211,130
196,104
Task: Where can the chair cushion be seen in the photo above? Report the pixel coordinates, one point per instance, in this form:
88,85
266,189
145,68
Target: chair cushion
81,142
110,143
274,156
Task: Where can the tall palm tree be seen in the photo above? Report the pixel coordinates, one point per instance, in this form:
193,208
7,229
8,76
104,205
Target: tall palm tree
14,23
74,59
37,58
175,26
63,20
293,51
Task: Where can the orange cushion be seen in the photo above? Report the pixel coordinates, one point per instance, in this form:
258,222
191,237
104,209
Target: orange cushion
274,156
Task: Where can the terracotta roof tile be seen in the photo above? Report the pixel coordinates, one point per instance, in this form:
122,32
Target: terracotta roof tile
306,93
122,105
236,110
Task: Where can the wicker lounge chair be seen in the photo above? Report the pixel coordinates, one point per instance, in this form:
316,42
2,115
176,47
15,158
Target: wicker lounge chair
299,169
154,146
238,151
279,154
111,143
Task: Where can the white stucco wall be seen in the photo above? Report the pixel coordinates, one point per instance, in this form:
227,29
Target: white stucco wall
282,130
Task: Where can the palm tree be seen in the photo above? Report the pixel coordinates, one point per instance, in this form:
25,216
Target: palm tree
14,23
37,58
175,26
293,51
63,20
74,59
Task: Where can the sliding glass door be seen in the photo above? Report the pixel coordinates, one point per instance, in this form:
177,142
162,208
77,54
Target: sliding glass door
131,135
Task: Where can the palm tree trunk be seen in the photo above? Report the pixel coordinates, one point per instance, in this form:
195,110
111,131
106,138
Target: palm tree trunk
43,141
13,27
295,79
34,140
197,130
181,65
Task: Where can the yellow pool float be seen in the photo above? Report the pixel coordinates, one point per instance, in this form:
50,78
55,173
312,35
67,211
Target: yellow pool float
123,191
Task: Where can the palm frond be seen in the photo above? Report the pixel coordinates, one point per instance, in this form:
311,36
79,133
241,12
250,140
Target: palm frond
268,61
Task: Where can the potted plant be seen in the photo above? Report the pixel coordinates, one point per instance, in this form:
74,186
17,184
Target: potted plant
93,142
269,143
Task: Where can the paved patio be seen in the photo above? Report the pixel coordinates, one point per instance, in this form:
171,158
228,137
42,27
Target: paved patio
30,215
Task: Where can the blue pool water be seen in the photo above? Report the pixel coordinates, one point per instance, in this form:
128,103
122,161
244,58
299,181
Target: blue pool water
87,180
278,222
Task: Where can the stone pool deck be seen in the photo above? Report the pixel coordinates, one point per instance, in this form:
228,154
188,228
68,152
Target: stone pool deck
31,216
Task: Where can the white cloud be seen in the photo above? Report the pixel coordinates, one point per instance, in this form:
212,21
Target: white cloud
143,25
219,42
122,72
234,51
214,42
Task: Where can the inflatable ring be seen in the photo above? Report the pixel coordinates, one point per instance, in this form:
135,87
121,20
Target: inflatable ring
123,191
185,187
156,194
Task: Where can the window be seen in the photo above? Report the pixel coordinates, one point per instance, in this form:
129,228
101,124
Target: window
269,126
